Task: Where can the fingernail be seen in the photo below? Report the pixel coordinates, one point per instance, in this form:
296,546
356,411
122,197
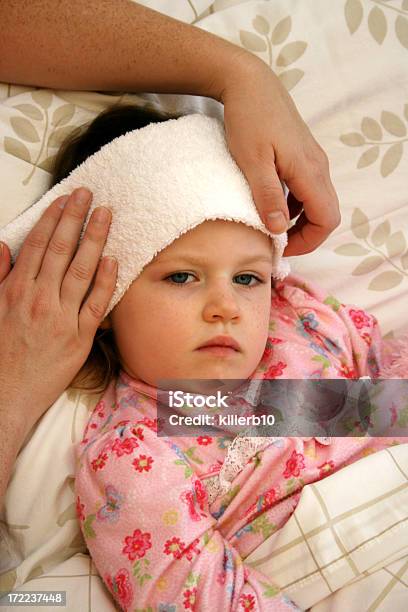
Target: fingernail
109,263
82,196
101,214
62,202
278,218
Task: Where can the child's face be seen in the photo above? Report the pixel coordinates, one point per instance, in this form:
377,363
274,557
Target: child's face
176,305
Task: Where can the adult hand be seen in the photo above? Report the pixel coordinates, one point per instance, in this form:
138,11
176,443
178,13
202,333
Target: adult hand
46,332
270,142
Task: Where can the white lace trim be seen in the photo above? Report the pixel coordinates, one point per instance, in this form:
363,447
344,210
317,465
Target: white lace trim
239,453
212,486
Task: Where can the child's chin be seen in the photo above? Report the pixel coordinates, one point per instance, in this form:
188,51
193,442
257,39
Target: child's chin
210,373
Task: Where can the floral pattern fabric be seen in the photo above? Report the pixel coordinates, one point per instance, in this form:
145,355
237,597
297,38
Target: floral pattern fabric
142,501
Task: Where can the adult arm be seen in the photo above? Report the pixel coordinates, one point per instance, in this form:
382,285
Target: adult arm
112,45
123,46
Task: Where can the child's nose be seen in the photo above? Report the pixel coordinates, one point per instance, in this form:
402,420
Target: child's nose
221,304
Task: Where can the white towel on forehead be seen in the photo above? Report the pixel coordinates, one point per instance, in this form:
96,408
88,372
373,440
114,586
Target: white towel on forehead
159,182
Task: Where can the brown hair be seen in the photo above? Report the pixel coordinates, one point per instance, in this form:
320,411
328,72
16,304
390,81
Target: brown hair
103,363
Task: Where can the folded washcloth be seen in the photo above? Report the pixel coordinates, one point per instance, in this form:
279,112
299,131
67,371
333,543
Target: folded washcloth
159,182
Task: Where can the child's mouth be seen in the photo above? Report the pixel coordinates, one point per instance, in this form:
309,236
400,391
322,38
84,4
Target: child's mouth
220,351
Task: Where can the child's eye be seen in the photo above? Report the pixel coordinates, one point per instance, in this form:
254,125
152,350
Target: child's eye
248,276
178,277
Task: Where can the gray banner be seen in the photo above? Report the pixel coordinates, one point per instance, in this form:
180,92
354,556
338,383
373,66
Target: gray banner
338,407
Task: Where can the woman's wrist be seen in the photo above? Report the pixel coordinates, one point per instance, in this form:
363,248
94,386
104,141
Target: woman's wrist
244,74
13,432
237,67
18,411
13,418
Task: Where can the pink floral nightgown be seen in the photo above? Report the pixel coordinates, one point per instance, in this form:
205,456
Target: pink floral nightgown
167,522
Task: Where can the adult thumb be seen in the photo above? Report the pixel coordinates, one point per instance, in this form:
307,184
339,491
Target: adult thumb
5,261
269,197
